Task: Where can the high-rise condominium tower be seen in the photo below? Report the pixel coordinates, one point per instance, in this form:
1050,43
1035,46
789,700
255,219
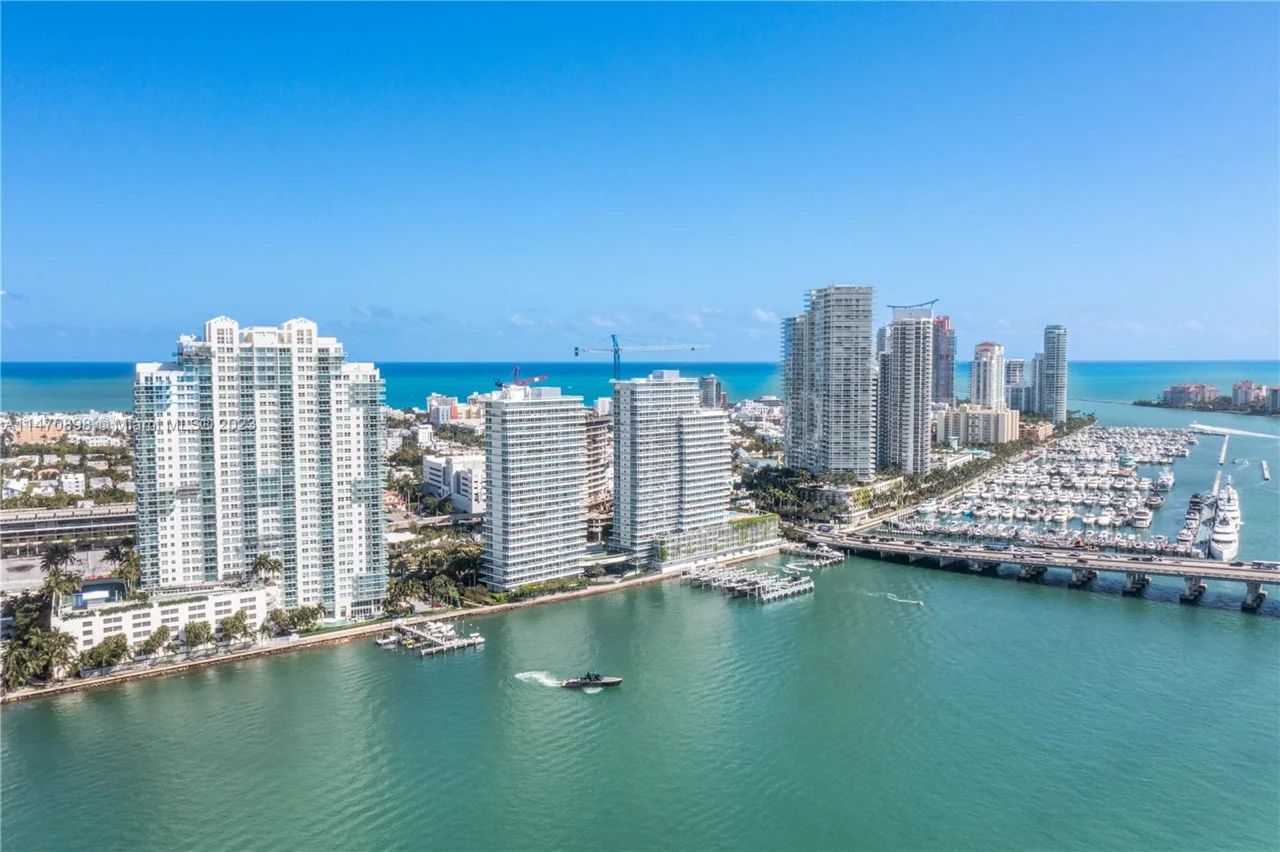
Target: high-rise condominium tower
263,441
535,525
910,389
671,465
827,381
944,361
1053,388
986,376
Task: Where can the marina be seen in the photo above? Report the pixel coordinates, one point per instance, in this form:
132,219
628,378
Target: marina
758,585
1090,491
428,638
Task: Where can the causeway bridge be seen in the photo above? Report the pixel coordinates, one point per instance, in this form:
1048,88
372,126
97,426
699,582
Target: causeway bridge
1084,565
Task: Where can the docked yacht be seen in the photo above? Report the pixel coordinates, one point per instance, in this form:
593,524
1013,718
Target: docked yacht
1224,540
1165,480
1142,517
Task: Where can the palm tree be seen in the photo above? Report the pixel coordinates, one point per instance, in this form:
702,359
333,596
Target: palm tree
128,569
59,583
115,554
52,650
20,665
266,566
57,555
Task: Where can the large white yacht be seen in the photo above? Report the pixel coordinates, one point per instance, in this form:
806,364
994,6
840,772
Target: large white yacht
1224,541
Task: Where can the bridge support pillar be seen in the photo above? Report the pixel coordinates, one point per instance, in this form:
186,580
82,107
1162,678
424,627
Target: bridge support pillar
1195,588
1032,573
1135,583
1253,596
1081,577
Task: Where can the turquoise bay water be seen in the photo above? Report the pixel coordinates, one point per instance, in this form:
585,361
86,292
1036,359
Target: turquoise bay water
996,715
67,386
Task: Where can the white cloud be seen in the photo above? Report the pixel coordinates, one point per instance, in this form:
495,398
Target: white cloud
520,319
761,315
1192,325
603,322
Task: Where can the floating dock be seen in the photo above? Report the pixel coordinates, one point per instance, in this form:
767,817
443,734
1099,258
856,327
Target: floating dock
1266,471
437,637
1222,456
749,583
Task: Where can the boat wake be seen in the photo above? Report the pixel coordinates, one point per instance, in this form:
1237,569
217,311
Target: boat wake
592,690
890,596
540,678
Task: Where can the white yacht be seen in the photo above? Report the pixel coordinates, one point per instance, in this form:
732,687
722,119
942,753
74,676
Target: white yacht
1142,517
1165,480
1224,541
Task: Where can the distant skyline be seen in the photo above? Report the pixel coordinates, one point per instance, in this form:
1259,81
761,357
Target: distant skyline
499,183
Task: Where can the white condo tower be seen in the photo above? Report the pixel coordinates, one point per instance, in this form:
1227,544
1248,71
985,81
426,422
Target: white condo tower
263,441
671,464
535,524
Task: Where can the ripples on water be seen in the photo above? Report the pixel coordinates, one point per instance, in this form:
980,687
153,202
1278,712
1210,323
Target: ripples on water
998,714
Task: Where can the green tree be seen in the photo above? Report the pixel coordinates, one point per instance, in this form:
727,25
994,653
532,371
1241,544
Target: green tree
52,650
20,665
129,569
158,639
266,567
56,556
59,583
115,554
109,652
197,634
235,626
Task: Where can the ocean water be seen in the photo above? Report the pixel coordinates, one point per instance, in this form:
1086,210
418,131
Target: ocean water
68,386
897,707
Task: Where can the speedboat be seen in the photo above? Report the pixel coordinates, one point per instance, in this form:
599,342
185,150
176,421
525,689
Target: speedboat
590,679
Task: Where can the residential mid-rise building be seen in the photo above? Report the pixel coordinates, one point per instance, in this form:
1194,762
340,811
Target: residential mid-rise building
671,464
535,523
910,389
1191,393
986,376
1247,393
827,378
1053,388
944,361
1273,400
973,424
263,441
711,390
1015,371
458,477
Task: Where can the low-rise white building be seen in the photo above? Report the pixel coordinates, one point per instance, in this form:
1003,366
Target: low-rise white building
458,477
73,483
93,616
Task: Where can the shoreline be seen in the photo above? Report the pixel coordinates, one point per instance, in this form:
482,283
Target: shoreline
338,637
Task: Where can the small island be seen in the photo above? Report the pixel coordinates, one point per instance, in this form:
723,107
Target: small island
1247,397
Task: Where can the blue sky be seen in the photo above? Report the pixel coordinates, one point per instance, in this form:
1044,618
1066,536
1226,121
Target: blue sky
489,182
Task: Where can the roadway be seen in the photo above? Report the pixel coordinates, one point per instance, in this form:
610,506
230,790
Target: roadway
1051,558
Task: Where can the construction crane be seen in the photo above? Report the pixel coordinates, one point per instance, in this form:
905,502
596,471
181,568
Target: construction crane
618,349
516,381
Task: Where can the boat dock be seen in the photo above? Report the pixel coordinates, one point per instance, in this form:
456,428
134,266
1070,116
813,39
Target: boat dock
1266,471
434,637
749,583
814,557
1222,456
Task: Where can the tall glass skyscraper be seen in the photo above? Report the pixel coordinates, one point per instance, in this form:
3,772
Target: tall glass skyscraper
944,361
828,383
1053,384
